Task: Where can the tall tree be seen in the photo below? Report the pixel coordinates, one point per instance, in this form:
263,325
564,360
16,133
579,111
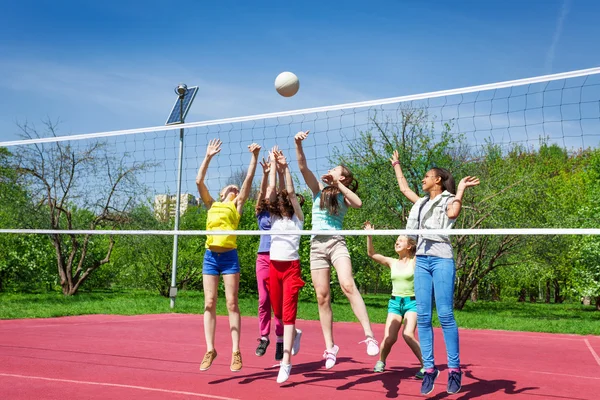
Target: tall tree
78,185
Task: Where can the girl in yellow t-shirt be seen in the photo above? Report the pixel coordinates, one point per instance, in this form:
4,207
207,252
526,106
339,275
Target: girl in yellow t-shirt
402,306
221,256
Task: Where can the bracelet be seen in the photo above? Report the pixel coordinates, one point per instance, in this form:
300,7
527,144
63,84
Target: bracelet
395,163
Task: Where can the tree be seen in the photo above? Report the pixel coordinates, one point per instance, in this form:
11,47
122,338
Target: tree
504,199
586,250
23,258
78,185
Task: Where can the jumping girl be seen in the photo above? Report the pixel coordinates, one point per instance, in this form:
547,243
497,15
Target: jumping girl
262,267
285,276
330,204
221,256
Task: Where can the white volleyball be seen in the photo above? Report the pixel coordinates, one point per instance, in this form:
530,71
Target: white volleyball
287,84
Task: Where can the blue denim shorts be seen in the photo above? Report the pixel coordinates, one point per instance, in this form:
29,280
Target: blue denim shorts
221,263
401,305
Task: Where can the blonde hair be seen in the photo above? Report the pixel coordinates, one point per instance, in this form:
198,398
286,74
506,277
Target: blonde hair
412,242
225,189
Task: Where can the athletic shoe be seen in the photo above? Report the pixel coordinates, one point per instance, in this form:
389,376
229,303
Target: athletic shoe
420,373
278,351
379,366
330,356
208,359
454,382
372,346
284,372
296,346
236,361
262,346
428,381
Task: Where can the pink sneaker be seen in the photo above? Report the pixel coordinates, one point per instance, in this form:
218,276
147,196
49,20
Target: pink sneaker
330,356
372,346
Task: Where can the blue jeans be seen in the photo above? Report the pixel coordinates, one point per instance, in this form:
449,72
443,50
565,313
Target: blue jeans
434,276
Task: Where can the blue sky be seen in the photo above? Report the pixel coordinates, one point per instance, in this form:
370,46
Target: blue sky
112,65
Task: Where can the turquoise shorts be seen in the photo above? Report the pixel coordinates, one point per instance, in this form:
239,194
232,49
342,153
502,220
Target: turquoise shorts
401,305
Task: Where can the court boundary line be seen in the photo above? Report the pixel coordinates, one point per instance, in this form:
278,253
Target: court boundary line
589,346
118,385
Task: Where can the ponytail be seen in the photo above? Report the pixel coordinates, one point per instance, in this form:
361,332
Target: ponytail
447,179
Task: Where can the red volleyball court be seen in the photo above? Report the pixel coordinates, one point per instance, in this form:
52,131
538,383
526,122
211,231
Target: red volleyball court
157,357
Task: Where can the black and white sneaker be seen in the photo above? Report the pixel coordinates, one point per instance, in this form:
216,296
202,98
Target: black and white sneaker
262,347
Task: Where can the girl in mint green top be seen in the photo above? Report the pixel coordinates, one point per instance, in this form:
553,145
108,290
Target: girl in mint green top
402,306
332,196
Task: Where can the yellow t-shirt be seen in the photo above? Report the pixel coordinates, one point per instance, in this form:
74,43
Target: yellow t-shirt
222,217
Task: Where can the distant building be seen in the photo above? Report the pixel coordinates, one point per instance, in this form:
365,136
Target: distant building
165,205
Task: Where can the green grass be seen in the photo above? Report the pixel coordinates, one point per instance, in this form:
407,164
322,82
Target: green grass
506,315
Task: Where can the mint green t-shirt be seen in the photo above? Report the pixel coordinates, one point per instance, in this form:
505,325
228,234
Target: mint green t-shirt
322,220
403,278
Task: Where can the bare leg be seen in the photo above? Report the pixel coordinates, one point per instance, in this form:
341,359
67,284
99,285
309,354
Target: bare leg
320,278
409,334
232,284
392,327
343,267
289,332
210,284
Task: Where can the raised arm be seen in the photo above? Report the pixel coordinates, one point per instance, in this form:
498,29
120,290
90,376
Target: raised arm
454,208
280,175
311,180
262,191
214,147
350,198
378,258
402,182
272,190
289,186
247,185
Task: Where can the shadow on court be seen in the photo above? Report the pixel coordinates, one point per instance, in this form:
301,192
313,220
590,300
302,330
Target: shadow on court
304,369
390,380
482,388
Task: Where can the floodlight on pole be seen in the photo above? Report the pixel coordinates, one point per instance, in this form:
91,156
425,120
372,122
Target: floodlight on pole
181,90
185,96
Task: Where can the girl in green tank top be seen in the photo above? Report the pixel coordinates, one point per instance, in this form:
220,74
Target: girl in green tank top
402,307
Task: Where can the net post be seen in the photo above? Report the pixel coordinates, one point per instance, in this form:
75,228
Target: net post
173,289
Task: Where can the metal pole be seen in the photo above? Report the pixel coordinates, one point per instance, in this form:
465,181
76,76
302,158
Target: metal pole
173,290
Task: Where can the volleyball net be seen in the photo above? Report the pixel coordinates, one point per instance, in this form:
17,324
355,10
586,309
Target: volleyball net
532,142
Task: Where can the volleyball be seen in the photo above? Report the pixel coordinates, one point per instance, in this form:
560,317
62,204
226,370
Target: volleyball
287,84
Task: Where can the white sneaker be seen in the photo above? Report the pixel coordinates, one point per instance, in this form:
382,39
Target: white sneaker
330,356
296,346
284,372
372,346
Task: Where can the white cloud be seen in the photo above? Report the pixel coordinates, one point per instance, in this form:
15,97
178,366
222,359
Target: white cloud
564,11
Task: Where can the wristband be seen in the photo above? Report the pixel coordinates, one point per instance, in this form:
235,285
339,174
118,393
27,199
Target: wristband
395,163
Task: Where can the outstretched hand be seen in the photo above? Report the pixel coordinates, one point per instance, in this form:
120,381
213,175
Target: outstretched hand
300,136
368,227
254,148
266,165
395,157
468,181
281,161
214,147
273,154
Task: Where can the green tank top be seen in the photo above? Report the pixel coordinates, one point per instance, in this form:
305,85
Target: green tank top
403,278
